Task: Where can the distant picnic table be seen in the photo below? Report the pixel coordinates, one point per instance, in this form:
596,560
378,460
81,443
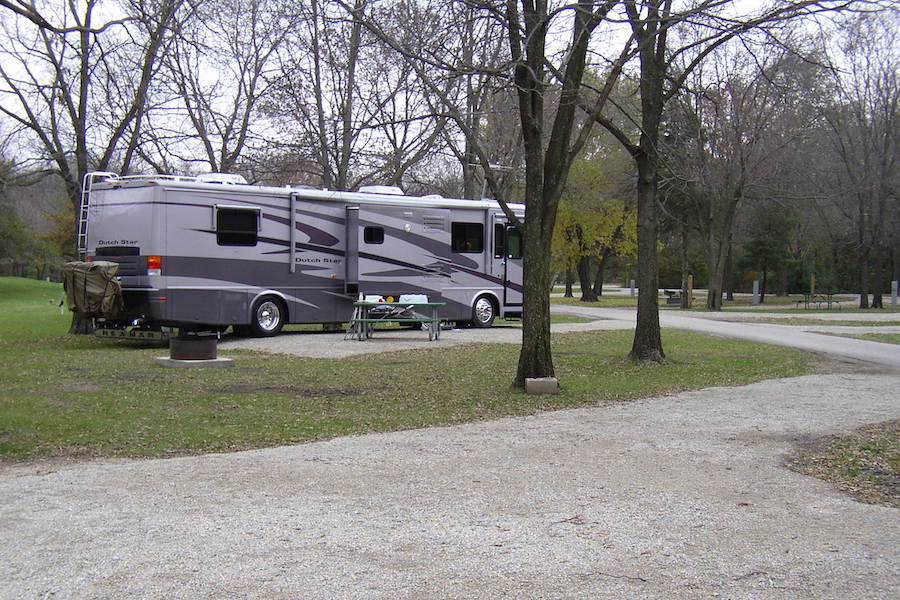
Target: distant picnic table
818,300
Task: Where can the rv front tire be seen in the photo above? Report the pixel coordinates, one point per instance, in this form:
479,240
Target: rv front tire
483,312
268,317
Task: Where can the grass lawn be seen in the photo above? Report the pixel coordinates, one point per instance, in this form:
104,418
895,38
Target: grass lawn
605,302
801,322
864,463
888,338
82,396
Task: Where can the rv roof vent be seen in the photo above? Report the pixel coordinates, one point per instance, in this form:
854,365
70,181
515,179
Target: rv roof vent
229,178
382,189
433,197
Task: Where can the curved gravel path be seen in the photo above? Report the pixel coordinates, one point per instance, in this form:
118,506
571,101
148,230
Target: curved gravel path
333,345
675,497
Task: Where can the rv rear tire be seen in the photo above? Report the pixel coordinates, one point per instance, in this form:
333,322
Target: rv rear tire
267,317
483,312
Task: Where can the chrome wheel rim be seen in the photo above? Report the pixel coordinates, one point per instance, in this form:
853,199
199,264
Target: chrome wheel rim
484,310
268,315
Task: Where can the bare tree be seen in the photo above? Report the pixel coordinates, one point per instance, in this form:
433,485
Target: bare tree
864,125
80,88
318,91
215,79
663,68
399,110
744,118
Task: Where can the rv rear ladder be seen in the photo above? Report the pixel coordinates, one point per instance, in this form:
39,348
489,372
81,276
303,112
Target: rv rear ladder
86,185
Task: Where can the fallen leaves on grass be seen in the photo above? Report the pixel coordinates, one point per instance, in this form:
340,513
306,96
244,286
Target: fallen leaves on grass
864,464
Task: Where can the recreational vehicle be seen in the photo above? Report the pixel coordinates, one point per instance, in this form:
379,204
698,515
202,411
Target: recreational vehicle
211,252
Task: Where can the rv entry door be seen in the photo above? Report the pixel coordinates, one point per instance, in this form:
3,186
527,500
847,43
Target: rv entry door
507,262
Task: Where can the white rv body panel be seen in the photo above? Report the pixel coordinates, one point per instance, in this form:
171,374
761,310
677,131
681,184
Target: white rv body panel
199,254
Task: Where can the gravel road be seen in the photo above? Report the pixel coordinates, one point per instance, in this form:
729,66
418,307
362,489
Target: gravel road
681,496
674,497
333,345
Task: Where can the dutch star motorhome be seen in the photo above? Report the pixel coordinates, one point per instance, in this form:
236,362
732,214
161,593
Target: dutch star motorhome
209,252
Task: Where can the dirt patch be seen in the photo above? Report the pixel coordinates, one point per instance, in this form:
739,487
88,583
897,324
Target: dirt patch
864,464
827,363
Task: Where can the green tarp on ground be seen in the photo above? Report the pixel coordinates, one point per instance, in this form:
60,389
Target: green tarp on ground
92,289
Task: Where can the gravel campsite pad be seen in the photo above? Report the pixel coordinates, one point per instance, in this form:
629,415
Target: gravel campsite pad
681,496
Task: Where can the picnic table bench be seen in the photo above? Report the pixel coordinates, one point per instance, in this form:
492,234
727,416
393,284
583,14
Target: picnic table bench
362,323
673,298
817,300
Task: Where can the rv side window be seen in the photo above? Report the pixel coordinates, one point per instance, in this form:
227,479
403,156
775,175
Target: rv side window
513,243
499,245
373,235
467,237
236,226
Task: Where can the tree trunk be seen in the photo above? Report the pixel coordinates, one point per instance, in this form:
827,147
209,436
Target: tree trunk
647,345
718,251
685,267
535,357
598,277
877,288
570,279
584,278
717,256
895,265
728,283
864,279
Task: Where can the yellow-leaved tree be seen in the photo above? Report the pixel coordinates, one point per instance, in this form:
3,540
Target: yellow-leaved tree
597,219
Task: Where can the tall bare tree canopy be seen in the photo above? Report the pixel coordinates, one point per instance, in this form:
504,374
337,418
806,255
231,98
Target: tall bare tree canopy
81,88
864,132
79,82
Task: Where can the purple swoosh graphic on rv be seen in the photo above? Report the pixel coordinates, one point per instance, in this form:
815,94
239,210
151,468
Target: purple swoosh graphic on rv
316,235
432,269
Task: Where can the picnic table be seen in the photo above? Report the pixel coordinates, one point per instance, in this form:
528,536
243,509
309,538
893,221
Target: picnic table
673,298
817,300
367,314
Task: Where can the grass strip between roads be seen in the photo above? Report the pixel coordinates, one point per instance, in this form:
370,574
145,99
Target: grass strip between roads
78,396
864,463
887,338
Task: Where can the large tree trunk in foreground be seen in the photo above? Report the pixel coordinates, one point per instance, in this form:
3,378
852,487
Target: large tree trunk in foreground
535,358
647,345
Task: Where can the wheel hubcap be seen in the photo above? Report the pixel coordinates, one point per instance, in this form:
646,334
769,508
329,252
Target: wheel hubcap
268,316
484,310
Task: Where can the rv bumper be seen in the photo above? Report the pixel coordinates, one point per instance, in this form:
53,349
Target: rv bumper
141,335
